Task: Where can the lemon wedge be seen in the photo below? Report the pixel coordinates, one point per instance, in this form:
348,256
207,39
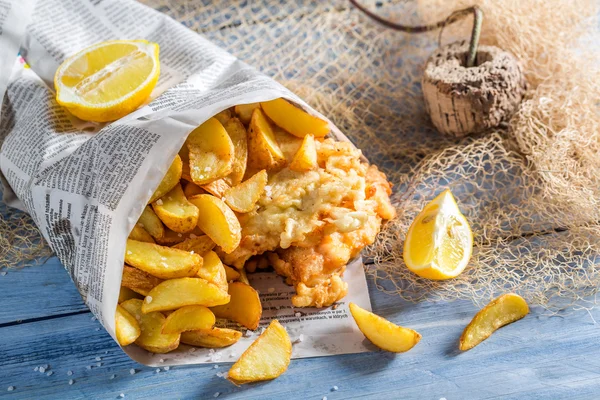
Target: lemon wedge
439,242
108,80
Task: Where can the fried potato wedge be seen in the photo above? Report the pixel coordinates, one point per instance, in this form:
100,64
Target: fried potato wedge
243,197
127,328
151,337
244,111
125,294
211,152
171,238
137,280
243,276
293,119
382,333
288,143
218,221
160,261
244,307
306,156
216,188
140,234
176,293
239,137
224,116
213,271
499,312
189,318
170,179
175,211
213,338
151,223
263,150
267,358
191,189
197,244
231,273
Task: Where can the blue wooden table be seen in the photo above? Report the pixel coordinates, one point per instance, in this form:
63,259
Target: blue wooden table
43,322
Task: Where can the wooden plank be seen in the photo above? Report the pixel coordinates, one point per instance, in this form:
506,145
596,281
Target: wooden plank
38,292
533,358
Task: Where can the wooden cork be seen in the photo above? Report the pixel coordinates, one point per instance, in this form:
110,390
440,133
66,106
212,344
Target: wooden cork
463,101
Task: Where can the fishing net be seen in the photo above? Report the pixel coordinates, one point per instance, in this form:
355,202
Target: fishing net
530,189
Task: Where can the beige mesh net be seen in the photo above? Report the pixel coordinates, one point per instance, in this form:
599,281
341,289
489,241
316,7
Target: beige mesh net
530,190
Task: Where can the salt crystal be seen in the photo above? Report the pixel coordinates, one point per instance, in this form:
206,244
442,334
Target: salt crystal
442,398
179,235
98,364
93,318
192,236
113,376
164,264
271,290
49,373
220,374
298,314
89,367
3,273
215,366
335,388
97,329
299,339
71,381
106,352
42,370
122,395
161,360
159,202
36,368
211,351
166,368
233,354
164,258
148,299
157,370
248,333
69,373
11,388
129,252
324,397
98,358
132,371
216,394
192,252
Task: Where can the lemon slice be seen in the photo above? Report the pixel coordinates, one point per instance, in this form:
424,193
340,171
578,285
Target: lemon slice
108,80
439,242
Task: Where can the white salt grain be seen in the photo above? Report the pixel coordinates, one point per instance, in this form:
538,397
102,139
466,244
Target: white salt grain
166,368
148,299
161,360
11,388
248,333
157,370
89,367
132,371
98,364
71,381
69,373
298,314
49,373
233,354
159,202
113,376
36,369
324,397
129,252
97,329
192,252
42,370
3,273
211,351
93,318
122,395
216,394
335,389
98,358
163,258
179,235
215,366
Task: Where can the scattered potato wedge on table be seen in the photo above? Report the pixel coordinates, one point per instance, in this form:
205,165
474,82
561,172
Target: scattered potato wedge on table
263,150
126,327
175,293
189,318
151,338
175,211
267,358
382,333
501,311
239,138
244,307
140,234
160,261
305,158
213,338
293,119
137,280
151,223
170,179
211,152
218,221
213,270
244,111
243,197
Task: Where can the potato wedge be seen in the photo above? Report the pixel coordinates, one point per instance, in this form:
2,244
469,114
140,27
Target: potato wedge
218,221
176,293
211,152
125,294
140,234
288,143
160,261
170,179
213,338
137,280
127,328
175,211
239,137
213,271
151,337
244,111
267,358
224,116
197,244
382,333
263,150
243,197
306,156
171,237
191,189
244,307
243,277
231,273
216,188
499,312
189,318
294,119
151,223
184,154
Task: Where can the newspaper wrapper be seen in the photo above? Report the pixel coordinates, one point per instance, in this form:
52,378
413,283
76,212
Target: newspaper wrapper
86,184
